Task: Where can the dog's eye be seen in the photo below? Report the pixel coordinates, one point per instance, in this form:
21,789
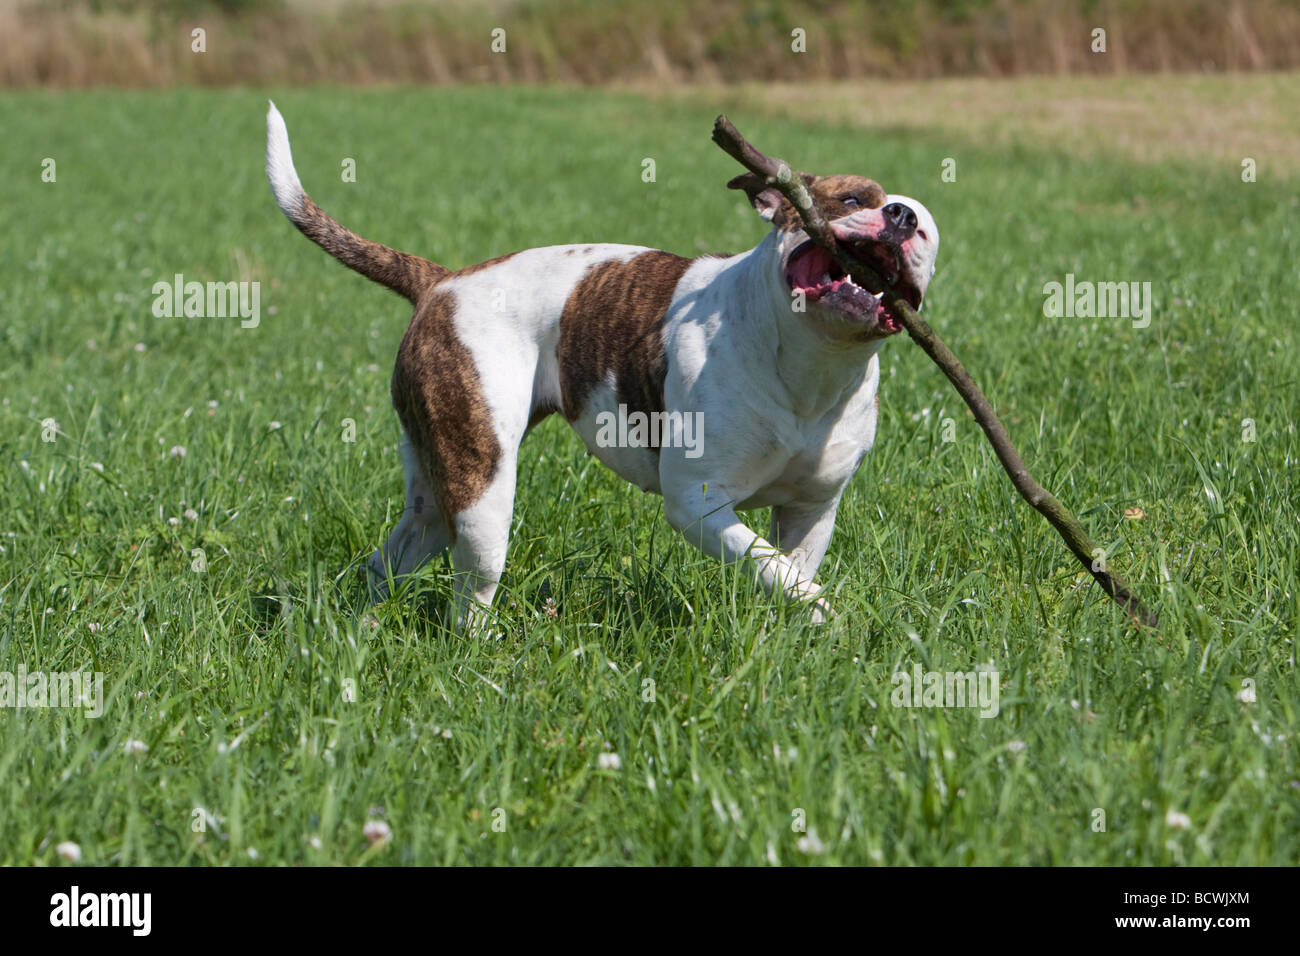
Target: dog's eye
850,201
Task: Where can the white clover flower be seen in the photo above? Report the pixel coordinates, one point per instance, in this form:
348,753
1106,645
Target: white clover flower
176,451
376,831
810,844
609,762
69,851
1177,821
136,747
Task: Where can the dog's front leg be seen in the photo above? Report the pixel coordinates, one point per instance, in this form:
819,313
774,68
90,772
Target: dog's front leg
706,517
803,532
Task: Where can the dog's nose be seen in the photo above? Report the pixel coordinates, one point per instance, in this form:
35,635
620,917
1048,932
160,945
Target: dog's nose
900,217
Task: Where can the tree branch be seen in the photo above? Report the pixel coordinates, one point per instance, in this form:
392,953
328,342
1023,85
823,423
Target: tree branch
779,175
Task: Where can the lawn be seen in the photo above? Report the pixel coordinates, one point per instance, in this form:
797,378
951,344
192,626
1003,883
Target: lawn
256,713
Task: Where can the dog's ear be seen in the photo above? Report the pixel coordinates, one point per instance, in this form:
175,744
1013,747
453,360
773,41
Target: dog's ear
766,199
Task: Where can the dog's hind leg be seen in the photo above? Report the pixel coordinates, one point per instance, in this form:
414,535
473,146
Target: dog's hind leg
420,534
466,410
481,528
482,534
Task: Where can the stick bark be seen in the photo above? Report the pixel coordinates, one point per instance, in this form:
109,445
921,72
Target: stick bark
779,175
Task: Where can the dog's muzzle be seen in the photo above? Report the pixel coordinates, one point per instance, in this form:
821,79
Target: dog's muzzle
812,271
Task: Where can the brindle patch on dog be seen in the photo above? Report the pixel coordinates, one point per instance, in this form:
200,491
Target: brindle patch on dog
539,413
480,266
408,275
439,400
831,193
613,322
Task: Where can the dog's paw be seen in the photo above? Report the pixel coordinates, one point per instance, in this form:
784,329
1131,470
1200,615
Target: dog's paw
809,594
822,612
377,577
477,621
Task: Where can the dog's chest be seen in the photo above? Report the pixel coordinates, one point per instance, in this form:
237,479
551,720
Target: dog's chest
780,428
804,465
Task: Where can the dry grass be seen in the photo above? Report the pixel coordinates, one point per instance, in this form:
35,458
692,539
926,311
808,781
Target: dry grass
1208,120
143,44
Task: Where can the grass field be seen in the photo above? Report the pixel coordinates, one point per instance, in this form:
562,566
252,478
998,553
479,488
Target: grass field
491,751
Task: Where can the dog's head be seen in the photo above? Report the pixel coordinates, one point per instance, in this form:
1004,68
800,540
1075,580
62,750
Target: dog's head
895,235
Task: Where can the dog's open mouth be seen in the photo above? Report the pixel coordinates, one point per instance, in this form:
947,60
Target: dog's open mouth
814,272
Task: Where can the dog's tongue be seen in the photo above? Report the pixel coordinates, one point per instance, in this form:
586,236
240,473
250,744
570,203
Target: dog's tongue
810,267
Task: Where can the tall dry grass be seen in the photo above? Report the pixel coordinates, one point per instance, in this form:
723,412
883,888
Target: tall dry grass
76,43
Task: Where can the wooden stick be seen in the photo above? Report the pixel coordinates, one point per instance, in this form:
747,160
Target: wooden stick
779,175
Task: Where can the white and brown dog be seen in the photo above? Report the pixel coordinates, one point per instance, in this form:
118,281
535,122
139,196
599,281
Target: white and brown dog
773,351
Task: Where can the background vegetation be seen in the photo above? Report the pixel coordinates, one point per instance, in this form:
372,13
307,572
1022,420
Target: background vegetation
80,43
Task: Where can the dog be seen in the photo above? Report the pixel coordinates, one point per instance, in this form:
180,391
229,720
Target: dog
772,351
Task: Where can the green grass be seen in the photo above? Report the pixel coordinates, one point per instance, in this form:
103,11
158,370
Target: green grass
233,676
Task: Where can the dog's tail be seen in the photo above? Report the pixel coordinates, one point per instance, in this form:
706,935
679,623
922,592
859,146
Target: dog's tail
405,274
